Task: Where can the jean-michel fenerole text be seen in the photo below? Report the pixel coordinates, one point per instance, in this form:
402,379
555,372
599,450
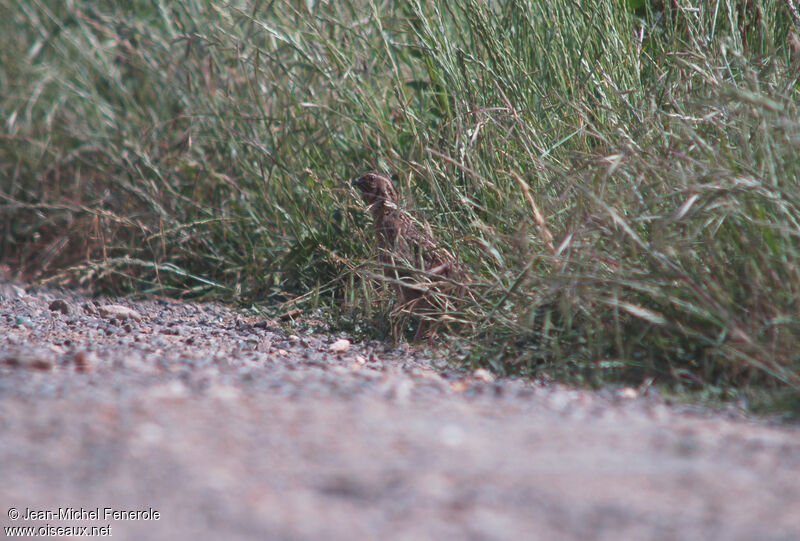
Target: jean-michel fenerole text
97,513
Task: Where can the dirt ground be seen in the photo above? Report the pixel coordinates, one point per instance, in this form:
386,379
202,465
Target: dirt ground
221,425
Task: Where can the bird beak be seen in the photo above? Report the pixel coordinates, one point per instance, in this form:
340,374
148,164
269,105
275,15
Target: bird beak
357,181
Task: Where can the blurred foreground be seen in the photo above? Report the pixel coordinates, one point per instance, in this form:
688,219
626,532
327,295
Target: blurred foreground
229,427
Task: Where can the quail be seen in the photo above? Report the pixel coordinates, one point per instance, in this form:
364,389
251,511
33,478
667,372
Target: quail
794,51
416,265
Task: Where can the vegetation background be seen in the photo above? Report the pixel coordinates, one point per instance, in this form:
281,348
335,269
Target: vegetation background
621,178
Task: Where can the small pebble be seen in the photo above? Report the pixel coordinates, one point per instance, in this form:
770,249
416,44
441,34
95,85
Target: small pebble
23,321
340,346
484,375
85,361
117,311
59,305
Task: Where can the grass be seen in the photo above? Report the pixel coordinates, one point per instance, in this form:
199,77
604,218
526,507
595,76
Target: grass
620,178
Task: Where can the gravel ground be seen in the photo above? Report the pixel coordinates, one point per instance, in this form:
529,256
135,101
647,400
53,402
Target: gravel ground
223,426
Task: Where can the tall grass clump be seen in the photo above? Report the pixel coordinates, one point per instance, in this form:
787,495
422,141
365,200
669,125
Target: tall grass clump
620,178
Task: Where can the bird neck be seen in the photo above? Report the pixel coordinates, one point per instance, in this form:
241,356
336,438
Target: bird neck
381,208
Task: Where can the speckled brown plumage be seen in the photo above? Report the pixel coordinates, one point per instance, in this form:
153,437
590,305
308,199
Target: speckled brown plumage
794,51
410,256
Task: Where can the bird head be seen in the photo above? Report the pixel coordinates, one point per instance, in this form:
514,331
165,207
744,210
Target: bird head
376,189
